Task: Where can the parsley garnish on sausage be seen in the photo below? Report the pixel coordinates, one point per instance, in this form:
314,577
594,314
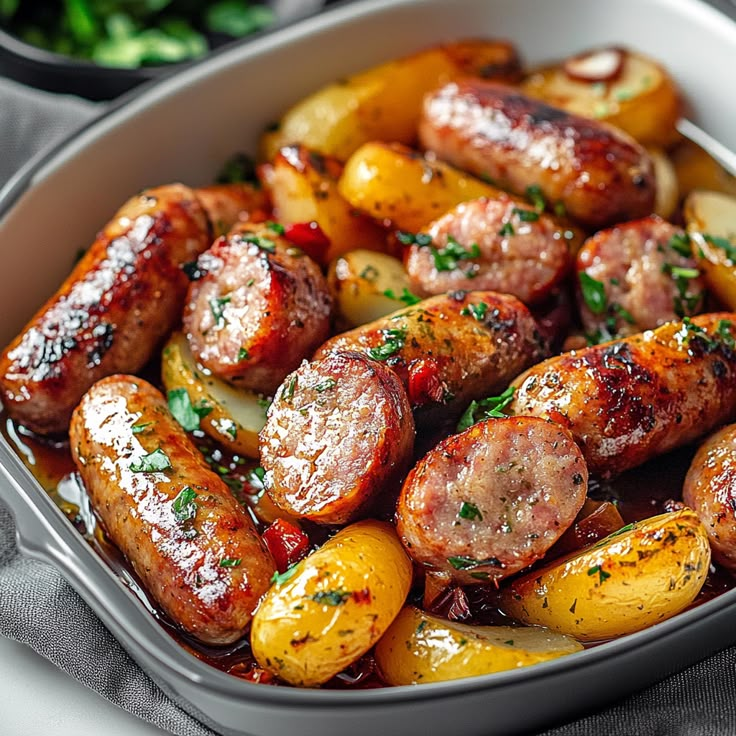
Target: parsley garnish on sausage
449,257
594,293
469,511
406,296
488,408
154,462
393,341
184,505
182,409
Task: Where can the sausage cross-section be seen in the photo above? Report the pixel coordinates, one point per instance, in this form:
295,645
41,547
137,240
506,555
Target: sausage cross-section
192,544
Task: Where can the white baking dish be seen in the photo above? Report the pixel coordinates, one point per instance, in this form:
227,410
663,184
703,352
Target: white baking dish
182,129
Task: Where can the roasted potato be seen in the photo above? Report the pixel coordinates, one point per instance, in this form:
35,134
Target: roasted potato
639,97
359,282
384,103
418,648
711,222
234,416
333,606
668,191
636,577
303,188
697,169
394,183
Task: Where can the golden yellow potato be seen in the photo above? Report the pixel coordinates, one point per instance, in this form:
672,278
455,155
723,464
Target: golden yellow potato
334,607
394,183
303,188
384,103
710,218
643,100
235,416
697,169
359,281
420,648
628,581
668,191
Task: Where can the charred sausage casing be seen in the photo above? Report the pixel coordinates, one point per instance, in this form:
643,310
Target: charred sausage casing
450,349
599,174
122,298
630,400
192,544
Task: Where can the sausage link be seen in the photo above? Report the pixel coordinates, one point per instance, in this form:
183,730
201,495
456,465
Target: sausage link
628,401
338,437
450,349
492,500
110,314
710,491
599,174
260,307
192,544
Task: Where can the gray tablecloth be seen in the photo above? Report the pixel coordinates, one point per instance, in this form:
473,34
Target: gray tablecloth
38,608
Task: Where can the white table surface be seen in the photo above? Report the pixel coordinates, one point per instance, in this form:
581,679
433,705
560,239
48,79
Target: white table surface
40,700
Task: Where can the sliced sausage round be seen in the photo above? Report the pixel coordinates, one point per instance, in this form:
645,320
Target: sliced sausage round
504,246
492,500
339,435
259,308
710,491
192,544
645,275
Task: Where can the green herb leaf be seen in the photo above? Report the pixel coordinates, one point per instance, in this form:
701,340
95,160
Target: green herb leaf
469,511
525,215
331,597
602,574
255,478
393,342
237,17
243,354
239,168
449,257
489,408
182,409
536,198
325,385
217,307
275,227
230,562
369,273
506,230
478,311
138,428
184,506
468,563
261,242
680,243
155,462
406,238
724,244
279,578
594,293
406,296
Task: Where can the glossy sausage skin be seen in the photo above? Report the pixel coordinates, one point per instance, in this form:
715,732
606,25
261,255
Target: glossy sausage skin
450,349
598,173
630,400
122,298
339,436
199,556
520,251
492,500
260,307
646,281
710,491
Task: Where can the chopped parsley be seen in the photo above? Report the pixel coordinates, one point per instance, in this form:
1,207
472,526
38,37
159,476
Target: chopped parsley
680,243
331,597
468,563
594,293
684,302
506,230
406,296
184,505
488,408
406,238
724,244
287,392
536,198
230,562
325,385
255,478
369,273
602,574
217,307
182,409
469,511
279,578
138,428
525,215
449,257
243,354
393,341
239,168
261,242
478,311
154,462
275,227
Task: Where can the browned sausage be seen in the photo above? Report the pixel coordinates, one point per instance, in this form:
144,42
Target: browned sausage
599,174
503,246
450,349
710,490
492,500
339,434
192,544
110,314
260,307
627,401
643,279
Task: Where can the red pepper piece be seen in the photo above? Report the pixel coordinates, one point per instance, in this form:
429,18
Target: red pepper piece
287,543
424,383
310,237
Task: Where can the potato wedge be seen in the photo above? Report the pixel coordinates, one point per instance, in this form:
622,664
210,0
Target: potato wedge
384,103
303,188
334,607
418,648
642,100
639,576
710,218
668,190
236,415
394,183
359,281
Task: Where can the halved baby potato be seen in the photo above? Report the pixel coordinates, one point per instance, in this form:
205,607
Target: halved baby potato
359,281
384,103
641,98
397,184
710,218
418,648
334,605
632,579
235,416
